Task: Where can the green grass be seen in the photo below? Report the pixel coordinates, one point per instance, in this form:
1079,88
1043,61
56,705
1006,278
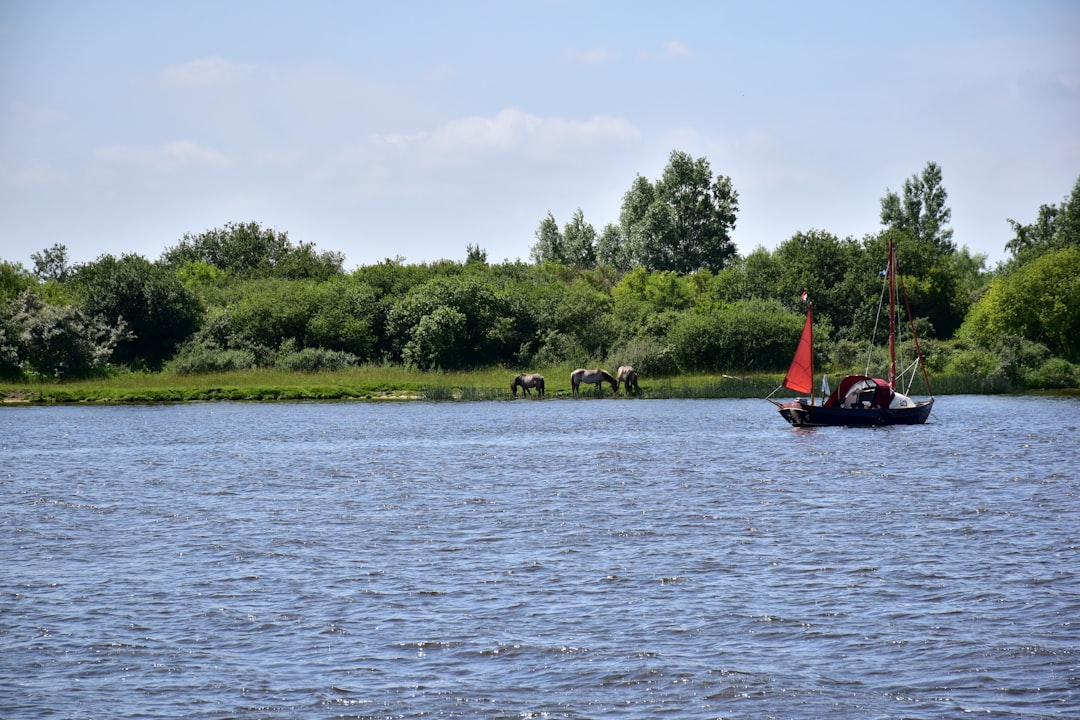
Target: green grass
382,382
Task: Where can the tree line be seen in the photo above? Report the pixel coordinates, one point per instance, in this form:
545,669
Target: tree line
663,290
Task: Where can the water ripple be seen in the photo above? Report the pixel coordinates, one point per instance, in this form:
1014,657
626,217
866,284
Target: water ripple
522,559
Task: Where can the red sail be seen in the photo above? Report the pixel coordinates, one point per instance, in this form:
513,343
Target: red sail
800,376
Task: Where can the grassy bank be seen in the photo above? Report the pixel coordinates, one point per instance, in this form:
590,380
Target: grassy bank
379,382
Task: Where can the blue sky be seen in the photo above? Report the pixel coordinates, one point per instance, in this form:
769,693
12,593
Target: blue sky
414,129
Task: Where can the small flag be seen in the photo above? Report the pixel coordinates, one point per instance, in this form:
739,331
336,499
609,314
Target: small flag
805,296
884,272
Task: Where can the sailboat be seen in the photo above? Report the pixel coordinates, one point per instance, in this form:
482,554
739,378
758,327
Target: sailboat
859,399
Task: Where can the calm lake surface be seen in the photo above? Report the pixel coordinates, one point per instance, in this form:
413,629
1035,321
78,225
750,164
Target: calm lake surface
538,559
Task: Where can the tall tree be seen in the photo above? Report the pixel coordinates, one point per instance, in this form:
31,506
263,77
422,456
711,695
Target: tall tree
475,255
922,213
549,242
819,263
52,263
684,221
579,242
1055,227
611,248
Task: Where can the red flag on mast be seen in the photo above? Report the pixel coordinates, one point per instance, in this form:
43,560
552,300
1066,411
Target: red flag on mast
800,376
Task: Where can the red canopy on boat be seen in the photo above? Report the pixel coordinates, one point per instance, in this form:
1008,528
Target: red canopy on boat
873,392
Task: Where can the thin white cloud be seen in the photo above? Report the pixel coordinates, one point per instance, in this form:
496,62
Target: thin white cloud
187,152
676,49
442,72
29,115
40,175
670,50
589,56
515,130
169,156
204,72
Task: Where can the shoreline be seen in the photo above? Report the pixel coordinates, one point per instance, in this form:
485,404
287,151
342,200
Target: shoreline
384,383
29,398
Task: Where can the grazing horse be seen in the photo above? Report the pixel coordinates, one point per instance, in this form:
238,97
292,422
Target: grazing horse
593,377
628,376
528,381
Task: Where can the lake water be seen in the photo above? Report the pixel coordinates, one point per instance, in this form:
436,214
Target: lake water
538,559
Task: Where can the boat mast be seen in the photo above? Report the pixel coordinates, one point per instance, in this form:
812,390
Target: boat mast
810,325
892,314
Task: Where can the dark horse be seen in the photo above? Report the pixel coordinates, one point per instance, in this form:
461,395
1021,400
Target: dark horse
593,377
528,381
628,376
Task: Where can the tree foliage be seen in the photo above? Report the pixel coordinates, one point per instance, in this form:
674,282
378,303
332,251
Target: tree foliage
579,242
1036,302
576,245
55,340
611,250
453,322
748,335
662,290
14,280
52,263
147,298
273,313
248,250
549,242
1055,227
684,221
922,213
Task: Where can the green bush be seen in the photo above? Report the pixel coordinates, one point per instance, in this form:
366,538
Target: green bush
197,359
646,355
1053,374
749,335
58,341
847,354
557,348
317,359
972,361
145,299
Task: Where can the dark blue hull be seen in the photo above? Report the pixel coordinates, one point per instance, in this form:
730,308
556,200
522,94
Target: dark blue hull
802,414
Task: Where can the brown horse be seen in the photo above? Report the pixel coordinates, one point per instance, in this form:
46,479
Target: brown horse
593,377
534,380
628,376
